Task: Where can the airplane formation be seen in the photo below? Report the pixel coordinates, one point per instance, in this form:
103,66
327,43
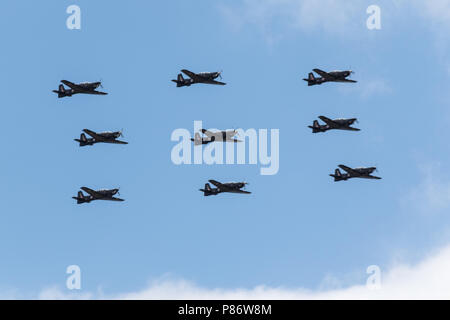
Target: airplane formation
209,136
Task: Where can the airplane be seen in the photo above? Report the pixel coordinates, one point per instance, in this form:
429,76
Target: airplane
83,87
353,173
339,124
332,76
202,77
224,136
198,140
232,187
221,136
105,137
96,195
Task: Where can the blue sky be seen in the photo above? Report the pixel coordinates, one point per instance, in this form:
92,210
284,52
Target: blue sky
298,227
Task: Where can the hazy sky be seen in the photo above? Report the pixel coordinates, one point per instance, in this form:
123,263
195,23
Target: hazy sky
298,228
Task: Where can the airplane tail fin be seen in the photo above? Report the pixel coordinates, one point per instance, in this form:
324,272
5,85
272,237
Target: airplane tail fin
197,139
311,79
61,91
337,175
315,127
180,80
207,191
80,197
83,140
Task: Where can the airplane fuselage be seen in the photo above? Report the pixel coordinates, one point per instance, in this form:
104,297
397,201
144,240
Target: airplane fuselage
89,86
209,75
365,171
109,135
340,74
234,185
107,193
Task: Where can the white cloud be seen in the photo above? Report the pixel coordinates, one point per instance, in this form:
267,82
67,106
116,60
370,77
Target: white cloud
274,17
368,88
429,279
437,16
436,10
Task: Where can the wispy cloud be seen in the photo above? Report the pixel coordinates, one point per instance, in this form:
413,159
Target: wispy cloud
432,194
428,279
275,17
368,88
436,13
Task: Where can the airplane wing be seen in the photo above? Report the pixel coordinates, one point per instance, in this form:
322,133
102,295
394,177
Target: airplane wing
192,75
238,191
328,121
346,80
96,92
350,129
117,142
91,192
214,82
114,199
72,85
349,170
324,74
93,134
232,140
209,133
216,183
370,177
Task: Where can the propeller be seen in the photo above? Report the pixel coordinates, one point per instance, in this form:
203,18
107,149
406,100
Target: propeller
121,133
101,86
220,74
